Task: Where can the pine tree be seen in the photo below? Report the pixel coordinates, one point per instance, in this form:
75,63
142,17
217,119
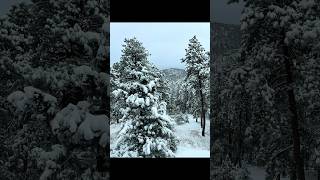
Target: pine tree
146,133
274,56
59,37
46,50
197,68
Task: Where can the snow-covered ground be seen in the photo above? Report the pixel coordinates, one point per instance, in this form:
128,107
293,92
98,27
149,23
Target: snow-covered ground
191,142
114,129
259,173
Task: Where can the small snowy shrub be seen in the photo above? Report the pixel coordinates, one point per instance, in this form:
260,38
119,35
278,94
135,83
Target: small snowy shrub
181,119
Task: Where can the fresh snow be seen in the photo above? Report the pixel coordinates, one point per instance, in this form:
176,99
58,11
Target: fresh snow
81,123
192,152
21,100
191,142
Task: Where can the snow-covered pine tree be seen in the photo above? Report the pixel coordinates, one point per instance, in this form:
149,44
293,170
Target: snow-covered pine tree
187,100
163,89
302,39
279,40
197,68
58,37
51,45
182,98
14,31
117,100
264,72
103,54
146,133
224,58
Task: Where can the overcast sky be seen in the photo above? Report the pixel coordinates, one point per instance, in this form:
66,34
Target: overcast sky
222,12
166,42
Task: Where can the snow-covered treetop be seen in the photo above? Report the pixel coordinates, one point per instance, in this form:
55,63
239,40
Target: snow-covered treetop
196,59
134,53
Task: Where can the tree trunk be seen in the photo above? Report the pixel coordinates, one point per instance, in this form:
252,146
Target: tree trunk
102,162
203,115
196,117
240,140
204,125
293,174
293,116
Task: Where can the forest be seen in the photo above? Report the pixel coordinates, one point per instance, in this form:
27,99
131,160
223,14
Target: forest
54,61
160,113
265,83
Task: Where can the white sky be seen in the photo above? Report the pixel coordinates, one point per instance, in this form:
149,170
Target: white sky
166,42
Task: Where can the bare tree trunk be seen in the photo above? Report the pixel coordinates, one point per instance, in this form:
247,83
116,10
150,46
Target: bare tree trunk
299,165
239,156
203,115
102,162
204,125
196,117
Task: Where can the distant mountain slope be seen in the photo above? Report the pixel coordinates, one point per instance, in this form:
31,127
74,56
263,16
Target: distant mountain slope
173,74
225,45
224,38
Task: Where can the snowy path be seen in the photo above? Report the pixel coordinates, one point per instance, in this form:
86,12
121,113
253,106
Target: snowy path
192,143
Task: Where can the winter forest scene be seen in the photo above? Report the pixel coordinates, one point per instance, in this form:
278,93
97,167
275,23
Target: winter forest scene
159,90
265,82
54,105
